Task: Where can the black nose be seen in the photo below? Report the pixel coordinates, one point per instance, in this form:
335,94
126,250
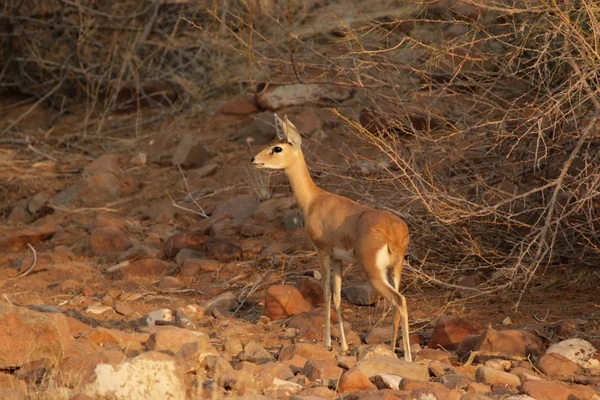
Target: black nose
252,159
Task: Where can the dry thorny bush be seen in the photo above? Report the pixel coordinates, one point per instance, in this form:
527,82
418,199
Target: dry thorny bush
486,111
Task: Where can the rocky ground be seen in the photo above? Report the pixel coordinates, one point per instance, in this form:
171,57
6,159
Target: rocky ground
156,262
150,261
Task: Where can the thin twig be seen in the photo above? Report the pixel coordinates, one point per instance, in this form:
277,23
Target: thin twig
25,273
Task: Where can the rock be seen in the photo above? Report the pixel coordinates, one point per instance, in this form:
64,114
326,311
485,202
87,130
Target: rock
323,372
241,382
233,345
238,208
388,365
105,163
108,240
104,220
194,266
19,240
76,327
190,153
492,376
184,240
124,309
239,106
27,335
379,335
138,160
450,330
354,380
556,365
75,371
39,200
499,364
148,268
196,351
292,220
281,96
255,353
172,339
554,390
524,374
149,376
223,249
312,291
467,345
20,213
274,248
510,342
371,351
282,301
438,368
98,189
225,227
271,209
226,301
307,351
139,252
346,362
435,354
476,387
579,351
360,294
436,393
386,381
169,282
159,315
215,366
203,172
307,122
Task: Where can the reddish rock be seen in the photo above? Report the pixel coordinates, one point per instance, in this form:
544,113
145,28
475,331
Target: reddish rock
450,330
99,189
554,390
124,309
435,354
75,371
239,106
103,220
172,339
307,122
169,282
109,239
307,351
510,342
558,366
184,240
27,335
150,267
195,266
282,301
436,393
312,291
492,376
19,240
76,327
354,380
323,372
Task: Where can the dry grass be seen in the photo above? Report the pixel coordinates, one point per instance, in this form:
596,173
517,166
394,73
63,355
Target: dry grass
487,113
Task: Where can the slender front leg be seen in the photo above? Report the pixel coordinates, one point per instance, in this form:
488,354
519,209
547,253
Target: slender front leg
337,301
396,272
325,261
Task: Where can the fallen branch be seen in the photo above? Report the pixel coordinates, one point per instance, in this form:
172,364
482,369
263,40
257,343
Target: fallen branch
32,263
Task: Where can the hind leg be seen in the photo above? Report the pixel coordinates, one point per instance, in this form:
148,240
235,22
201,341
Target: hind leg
388,291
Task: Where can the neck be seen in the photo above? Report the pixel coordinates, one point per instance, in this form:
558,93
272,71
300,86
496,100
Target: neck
303,186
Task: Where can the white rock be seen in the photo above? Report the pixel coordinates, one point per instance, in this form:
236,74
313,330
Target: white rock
389,381
520,397
577,350
290,387
159,315
98,309
149,376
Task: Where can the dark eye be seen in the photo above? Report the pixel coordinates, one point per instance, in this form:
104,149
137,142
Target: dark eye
277,149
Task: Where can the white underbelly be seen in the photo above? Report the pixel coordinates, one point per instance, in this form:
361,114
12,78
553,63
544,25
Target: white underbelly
346,255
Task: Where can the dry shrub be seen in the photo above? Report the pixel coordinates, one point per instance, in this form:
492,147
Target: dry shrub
486,110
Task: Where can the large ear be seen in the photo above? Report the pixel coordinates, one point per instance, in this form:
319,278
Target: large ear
280,128
293,137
